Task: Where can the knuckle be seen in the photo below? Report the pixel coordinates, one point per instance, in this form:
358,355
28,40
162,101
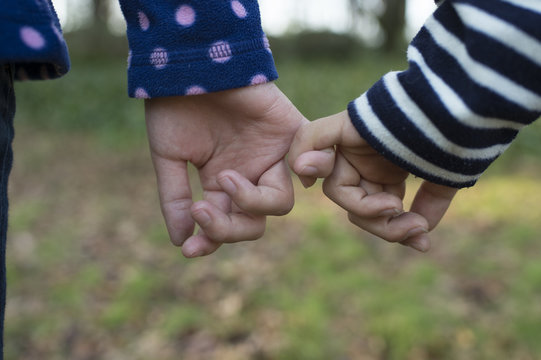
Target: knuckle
177,205
300,135
285,208
218,230
218,235
258,234
260,230
277,203
249,204
248,200
354,219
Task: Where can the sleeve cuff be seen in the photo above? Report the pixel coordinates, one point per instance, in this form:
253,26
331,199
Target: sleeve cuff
378,136
220,66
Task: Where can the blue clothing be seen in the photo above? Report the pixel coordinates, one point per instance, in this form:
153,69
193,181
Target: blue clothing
192,47
473,82
7,112
176,47
31,39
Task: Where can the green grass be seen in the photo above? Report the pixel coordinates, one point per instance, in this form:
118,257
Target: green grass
91,98
92,275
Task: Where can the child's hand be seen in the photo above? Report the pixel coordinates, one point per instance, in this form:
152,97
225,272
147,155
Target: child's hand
236,138
365,184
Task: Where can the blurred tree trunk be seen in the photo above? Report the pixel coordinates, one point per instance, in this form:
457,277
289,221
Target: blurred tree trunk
393,21
390,14
99,42
100,12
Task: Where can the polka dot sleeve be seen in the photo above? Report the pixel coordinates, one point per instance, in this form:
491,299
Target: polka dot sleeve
31,40
193,47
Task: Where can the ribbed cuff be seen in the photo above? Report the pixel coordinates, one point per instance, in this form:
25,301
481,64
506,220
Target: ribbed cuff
394,151
221,66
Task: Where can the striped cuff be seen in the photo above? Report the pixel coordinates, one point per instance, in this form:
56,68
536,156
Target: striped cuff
381,139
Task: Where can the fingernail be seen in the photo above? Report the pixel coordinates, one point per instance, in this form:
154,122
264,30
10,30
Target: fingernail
197,254
414,232
328,150
228,185
308,171
422,244
307,182
390,213
202,217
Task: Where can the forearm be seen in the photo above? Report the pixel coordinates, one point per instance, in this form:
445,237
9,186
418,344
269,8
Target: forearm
206,46
472,84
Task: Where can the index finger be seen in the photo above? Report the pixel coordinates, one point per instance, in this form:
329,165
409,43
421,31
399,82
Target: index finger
318,134
432,201
347,189
175,197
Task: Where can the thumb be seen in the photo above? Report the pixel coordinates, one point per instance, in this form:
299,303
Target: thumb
314,164
311,154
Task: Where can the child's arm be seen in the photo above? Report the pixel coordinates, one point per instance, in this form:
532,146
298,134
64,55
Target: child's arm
473,82
183,57
368,186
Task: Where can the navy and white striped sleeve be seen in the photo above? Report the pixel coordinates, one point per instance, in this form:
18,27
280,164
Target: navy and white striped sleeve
474,80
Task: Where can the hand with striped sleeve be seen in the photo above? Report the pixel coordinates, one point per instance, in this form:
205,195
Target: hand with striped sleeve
472,84
369,187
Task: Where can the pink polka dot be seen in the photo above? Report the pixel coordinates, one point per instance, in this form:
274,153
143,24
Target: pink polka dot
185,15
220,52
141,93
259,79
32,38
266,44
144,23
159,58
195,90
239,9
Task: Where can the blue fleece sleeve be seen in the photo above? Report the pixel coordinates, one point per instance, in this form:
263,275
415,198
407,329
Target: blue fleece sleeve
31,40
194,47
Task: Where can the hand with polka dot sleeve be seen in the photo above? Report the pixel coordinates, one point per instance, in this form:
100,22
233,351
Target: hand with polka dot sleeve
185,57
237,139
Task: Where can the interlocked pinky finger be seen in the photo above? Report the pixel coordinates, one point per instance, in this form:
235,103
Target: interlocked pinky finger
233,227
344,188
273,194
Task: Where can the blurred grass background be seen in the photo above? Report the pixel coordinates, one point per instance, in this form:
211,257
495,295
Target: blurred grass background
93,276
